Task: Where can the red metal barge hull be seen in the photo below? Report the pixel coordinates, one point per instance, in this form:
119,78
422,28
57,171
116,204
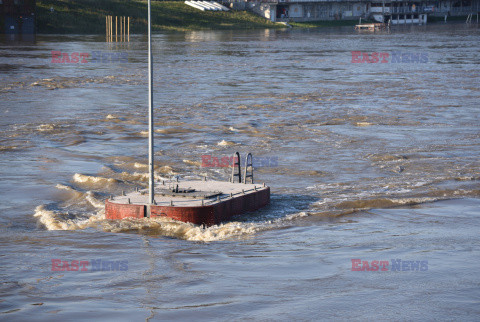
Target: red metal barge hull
210,213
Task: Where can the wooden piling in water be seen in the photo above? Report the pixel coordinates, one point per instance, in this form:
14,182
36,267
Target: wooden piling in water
108,28
123,33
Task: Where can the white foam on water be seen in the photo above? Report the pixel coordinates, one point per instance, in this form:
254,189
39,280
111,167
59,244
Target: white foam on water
226,143
74,193
61,219
144,176
139,165
78,196
83,179
46,127
194,163
94,201
363,124
191,232
57,220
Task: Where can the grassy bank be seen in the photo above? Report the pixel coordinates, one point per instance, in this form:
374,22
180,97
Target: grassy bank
88,16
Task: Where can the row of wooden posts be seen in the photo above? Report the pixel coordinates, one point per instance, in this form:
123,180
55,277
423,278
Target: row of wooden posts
122,34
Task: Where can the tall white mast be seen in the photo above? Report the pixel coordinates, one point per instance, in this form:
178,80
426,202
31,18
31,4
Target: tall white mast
151,182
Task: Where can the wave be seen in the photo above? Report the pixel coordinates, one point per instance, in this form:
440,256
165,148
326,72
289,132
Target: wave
330,207
57,220
8,148
78,197
226,143
93,181
194,163
363,124
386,157
176,130
382,203
181,230
46,127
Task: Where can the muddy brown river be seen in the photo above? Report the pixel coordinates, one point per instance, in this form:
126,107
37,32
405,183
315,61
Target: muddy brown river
373,165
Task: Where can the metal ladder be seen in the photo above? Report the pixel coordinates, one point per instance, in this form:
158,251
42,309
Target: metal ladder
248,173
236,164
247,166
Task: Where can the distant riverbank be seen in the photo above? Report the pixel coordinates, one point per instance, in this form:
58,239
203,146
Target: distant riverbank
68,17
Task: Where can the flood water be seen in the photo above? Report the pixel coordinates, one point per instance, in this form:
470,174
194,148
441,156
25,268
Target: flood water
366,161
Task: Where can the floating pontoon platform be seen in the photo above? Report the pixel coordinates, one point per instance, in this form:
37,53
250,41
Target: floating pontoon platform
198,202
